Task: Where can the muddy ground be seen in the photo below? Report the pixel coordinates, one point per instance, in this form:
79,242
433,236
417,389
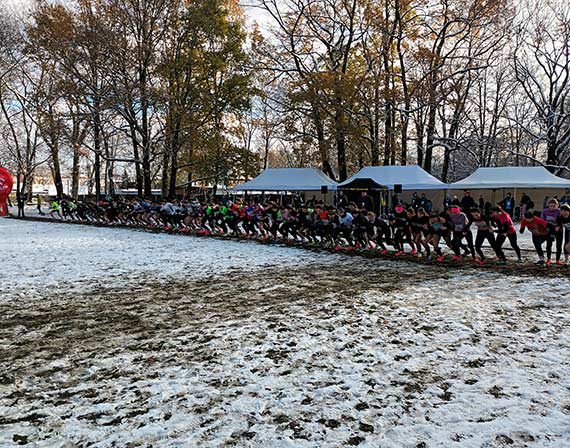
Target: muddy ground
324,354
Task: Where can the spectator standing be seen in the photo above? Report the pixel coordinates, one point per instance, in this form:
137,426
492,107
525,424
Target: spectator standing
366,202
415,201
508,204
21,204
39,205
525,204
342,200
467,203
446,202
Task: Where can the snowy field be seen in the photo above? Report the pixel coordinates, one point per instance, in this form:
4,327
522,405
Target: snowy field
114,337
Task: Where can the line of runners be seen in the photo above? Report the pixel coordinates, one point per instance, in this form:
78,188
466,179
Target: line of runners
351,228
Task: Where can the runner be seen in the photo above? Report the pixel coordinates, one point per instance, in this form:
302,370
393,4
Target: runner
420,229
484,226
437,229
539,229
550,214
564,223
344,227
55,208
401,230
506,229
460,225
378,231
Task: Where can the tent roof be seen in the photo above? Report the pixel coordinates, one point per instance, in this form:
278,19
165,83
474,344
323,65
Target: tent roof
288,179
362,183
411,177
511,177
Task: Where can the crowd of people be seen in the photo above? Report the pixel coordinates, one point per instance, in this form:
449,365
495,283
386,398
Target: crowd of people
460,229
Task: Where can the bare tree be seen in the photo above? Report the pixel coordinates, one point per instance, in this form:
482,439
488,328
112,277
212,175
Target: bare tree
541,62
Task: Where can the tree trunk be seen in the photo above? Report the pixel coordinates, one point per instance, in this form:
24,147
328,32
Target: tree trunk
97,148
375,127
190,168
387,117
266,152
175,147
146,172
327,169
430,138
551,156
446,162
57,180
75,172
136,155
340,138
52,141
404,136
164,184
405,116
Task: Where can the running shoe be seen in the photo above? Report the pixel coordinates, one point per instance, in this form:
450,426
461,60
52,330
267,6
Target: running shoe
414,251
440,259
520,260
384,251
427,258
502,262
559,262
399,253
540,263
456,258
547,263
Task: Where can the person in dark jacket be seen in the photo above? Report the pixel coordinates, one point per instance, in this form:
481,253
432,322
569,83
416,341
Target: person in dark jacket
525,204
481,203
366,202
342,200
508,204
21,204
416,202
447,202
467,203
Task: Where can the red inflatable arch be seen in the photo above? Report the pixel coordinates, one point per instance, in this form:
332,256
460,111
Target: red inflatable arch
6,184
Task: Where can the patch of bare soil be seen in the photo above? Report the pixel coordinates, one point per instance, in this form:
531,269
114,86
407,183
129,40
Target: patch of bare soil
317,356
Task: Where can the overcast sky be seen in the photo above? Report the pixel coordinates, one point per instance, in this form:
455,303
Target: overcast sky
253,14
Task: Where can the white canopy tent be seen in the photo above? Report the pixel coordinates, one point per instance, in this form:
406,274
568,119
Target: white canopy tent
410,177
288,179
511,177
493,184
283,180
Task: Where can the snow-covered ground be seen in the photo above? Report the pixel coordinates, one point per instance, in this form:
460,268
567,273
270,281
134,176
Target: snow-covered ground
114,337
